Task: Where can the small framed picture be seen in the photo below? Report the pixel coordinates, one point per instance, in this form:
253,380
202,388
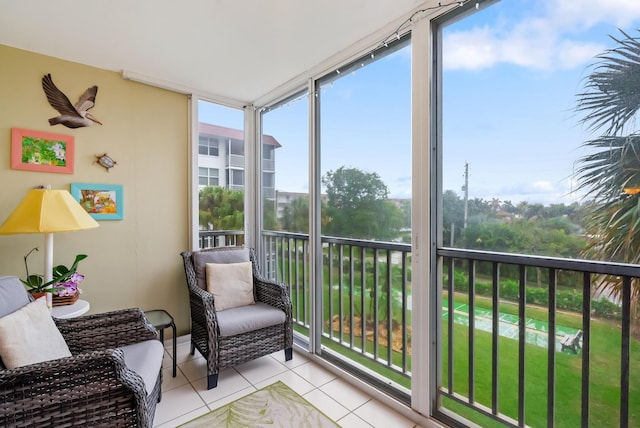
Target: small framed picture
101,201
41,151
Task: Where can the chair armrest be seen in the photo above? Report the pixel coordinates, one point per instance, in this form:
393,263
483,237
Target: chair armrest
89,387
273,293
203,311
105,330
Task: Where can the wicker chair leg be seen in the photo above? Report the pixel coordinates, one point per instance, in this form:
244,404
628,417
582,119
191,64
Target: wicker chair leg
288,354
212,381
193,348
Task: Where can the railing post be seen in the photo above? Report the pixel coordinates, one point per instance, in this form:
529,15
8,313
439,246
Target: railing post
586,345
551,350
472,327
624,354
522,321
495,334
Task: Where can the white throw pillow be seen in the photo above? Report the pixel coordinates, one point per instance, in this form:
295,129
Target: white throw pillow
231,284
29,335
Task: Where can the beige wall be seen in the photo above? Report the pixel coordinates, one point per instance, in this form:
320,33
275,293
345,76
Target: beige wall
134,262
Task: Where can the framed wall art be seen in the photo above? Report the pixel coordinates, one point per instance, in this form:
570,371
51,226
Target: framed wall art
101,201
41,151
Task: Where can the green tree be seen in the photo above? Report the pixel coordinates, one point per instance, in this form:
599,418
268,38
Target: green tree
358,206
295,216
610,103
269,221
221,209
452,217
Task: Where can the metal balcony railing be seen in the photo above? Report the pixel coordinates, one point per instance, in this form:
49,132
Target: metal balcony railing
465,359
366,323
220,238
235,161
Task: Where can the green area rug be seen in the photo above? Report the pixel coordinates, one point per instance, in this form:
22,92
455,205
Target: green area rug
276,405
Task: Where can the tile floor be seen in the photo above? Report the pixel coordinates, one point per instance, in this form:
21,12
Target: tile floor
186,397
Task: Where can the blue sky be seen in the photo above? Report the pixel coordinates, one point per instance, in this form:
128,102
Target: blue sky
511,75
512,72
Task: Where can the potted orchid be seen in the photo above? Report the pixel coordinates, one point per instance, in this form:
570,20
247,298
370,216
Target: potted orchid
65,279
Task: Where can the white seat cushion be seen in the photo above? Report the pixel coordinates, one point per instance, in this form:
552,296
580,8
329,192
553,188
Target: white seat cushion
249,318
145,358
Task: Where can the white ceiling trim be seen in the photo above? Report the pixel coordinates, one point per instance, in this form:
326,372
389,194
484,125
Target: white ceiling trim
182,89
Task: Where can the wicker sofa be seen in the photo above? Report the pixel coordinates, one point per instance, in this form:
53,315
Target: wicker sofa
234,336
112,377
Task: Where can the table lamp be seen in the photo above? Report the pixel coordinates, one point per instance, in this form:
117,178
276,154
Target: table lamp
47,211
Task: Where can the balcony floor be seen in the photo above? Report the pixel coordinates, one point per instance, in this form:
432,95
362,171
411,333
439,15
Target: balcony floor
185,397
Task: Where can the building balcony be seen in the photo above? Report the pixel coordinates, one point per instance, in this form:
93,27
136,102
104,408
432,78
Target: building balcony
535,352
235,161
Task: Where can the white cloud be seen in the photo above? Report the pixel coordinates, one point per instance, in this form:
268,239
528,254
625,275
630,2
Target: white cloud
551,38
542,191
542,186
587,13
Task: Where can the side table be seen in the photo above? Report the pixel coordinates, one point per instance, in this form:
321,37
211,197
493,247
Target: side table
76,309
160,319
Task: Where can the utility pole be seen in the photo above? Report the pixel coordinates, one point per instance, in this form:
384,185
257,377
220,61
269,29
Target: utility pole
466,192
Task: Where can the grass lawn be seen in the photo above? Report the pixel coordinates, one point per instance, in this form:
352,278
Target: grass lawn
604,380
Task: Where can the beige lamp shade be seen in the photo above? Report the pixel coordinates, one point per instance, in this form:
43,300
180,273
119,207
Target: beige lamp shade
47,211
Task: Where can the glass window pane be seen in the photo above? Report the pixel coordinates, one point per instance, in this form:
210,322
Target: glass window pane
365,135
218,127
286,152
365,144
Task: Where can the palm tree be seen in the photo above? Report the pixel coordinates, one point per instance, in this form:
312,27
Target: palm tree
610,102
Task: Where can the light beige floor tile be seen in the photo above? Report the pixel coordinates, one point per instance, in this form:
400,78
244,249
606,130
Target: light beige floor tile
352,421
176,403
326,404
260,369
314,374
167,361
229,382
298,358
194,369
345,393
183,418
184,397
169,382
381,416
183,353
289,378
231,397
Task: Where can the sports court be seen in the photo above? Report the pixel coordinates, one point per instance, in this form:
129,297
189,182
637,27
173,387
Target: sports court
536,332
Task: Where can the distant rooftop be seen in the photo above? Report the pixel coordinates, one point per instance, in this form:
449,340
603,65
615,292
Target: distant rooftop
236,134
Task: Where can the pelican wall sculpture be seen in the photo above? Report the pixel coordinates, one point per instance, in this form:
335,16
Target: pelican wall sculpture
70,116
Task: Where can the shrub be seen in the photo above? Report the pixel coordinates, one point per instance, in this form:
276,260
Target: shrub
569,300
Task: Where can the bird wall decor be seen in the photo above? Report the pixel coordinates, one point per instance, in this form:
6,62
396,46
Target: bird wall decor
70,116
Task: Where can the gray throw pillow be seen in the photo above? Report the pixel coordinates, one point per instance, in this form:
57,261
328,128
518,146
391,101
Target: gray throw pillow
221,255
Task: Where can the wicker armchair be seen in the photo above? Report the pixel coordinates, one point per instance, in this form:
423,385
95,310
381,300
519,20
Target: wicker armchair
93,387
220,350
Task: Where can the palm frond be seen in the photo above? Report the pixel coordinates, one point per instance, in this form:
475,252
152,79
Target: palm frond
612,165
611,95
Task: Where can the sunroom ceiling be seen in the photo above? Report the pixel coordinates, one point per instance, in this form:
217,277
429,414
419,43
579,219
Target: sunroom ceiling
234,49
